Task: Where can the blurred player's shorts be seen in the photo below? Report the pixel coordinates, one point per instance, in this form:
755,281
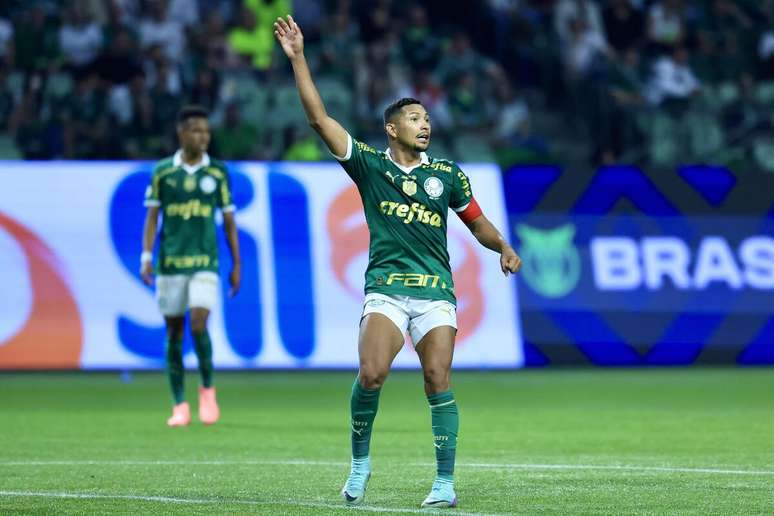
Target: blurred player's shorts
418,316
177,293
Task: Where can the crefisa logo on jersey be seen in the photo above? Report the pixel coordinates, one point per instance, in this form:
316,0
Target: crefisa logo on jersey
207,184
433,187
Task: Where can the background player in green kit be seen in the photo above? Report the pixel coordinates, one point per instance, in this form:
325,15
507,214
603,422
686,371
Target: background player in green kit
406,197
187,188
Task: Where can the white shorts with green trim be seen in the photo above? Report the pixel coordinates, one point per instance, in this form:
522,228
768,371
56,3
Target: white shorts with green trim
177,293
418,316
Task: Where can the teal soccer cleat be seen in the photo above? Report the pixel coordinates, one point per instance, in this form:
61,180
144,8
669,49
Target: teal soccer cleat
441,495
353,491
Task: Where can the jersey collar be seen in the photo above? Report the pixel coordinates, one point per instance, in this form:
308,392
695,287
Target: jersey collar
177,161
423,160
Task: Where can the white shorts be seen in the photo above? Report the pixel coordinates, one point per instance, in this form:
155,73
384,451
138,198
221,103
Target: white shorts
176,293
419,316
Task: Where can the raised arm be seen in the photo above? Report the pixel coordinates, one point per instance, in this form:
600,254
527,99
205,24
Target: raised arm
290,38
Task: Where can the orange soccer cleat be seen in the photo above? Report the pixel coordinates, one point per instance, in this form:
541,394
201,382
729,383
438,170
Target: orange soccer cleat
209,413
181,415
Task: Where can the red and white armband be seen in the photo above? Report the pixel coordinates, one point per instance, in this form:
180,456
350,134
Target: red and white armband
470,212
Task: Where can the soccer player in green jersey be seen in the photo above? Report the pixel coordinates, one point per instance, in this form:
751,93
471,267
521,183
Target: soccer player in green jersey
187,188
406,197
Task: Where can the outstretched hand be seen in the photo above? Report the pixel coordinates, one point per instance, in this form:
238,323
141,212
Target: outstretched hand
510,263
289,36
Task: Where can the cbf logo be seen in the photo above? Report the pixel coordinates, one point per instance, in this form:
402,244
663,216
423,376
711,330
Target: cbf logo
552,264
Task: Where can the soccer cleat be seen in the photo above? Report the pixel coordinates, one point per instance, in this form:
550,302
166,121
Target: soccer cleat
181,415
209,413
441,495
353,491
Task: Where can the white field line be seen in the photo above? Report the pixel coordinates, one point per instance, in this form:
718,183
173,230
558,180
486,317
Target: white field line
475,465
206,501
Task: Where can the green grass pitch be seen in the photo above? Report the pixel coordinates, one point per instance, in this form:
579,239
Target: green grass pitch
668,441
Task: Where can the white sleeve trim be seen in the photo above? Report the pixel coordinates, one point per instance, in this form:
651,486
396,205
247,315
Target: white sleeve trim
349,150
228,209
461,208
151,203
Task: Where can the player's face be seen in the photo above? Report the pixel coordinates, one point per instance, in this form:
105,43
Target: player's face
412,127
194,135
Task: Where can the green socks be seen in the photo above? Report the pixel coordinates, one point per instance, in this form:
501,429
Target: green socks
446,423
175,369
203,347
364,404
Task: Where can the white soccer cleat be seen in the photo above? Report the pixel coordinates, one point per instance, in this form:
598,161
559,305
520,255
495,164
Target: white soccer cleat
353,491
441,496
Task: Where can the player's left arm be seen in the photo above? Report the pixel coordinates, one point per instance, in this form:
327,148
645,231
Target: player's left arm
226,205
489,237
232,236
466,207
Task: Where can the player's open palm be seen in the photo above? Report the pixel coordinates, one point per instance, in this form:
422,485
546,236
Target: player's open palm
289,36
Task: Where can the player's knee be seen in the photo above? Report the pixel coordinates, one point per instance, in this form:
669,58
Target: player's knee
198,325
175,332
371,378
436,378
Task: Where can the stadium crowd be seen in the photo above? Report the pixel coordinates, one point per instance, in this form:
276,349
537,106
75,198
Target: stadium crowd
516,80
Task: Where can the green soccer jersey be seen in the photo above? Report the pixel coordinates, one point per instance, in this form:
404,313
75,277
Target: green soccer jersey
187,197
406,213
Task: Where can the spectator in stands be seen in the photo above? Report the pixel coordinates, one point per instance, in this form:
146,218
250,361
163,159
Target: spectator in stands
459,58
158,30
35,42
301,147
339,47
184,12
256,37
419,45
666,24
673,83
206,89
624,25
465,104
85,119
6,100
585,11
236,138
29,124
80,38
6,42
252,40
424,88
584,51
120,62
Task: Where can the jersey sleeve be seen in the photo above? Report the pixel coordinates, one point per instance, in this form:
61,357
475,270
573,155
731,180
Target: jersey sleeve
153,191
355,161
461,195
225,201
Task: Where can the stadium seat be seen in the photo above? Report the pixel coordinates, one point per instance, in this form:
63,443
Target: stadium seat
58,86
286,109
763,150
8,149
664,138
706,135
473,148
764,93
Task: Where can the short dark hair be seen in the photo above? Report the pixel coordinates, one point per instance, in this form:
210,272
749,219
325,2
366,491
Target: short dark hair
191,111
396,106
